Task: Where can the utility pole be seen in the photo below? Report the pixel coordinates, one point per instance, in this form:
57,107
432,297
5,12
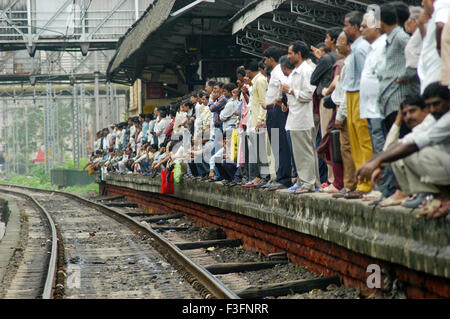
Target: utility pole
52,126
14,127
5,135
97,103
57,151
83,143
46,125
75,129
26,138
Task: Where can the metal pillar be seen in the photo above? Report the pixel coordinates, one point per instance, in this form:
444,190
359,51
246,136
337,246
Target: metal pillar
26,139
97,103
47,129
56,145
15,135
116,106
110,115
51,128
83,144
5,136
75,129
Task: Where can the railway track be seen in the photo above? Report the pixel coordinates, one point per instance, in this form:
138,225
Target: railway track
110,255
110,236
249,275
30,271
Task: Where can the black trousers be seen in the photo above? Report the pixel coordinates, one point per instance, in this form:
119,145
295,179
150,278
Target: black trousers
276,120
198,169
227,170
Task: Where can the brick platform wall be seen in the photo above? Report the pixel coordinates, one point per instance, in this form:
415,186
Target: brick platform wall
318,255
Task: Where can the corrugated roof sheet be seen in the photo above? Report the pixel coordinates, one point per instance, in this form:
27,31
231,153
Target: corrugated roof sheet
139,32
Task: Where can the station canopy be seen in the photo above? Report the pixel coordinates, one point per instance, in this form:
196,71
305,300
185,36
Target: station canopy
177,33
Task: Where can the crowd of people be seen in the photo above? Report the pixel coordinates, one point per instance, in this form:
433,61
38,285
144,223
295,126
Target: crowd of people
365,114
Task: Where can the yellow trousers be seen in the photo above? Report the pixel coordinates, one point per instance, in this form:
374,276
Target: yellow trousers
360,141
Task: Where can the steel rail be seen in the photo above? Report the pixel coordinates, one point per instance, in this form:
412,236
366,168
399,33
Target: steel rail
51,271
203,276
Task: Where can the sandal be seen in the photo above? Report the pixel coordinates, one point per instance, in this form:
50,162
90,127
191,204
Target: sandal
371,196
330,189
442,210
354,195
293,188
429,207
390,202
303,190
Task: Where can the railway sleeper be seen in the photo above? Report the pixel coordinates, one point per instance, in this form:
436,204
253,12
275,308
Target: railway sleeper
111,198
209,243
225,268
145,214
122,204
289,287
175,228
154,219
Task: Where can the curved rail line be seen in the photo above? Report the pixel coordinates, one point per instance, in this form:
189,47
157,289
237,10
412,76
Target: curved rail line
197,275
51,271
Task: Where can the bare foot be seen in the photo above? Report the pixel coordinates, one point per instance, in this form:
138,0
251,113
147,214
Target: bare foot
398,195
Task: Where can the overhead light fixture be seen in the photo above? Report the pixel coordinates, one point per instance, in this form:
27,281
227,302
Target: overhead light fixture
190,6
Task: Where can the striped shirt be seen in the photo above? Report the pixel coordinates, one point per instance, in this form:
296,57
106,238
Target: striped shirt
391,92
216,107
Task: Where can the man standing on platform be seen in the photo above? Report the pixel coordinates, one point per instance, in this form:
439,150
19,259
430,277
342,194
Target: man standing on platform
276,121
300,121
358,130
391,90
255,126
322,78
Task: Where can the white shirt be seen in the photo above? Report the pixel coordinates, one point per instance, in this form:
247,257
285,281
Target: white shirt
436,134
118,138
212,132
122,136
249,114
161,127
429,68
394,132
198,117
227,115
177,126
369,83
105,142
273,93
339,96
300,115
412,50
132,130
97,144
180,155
